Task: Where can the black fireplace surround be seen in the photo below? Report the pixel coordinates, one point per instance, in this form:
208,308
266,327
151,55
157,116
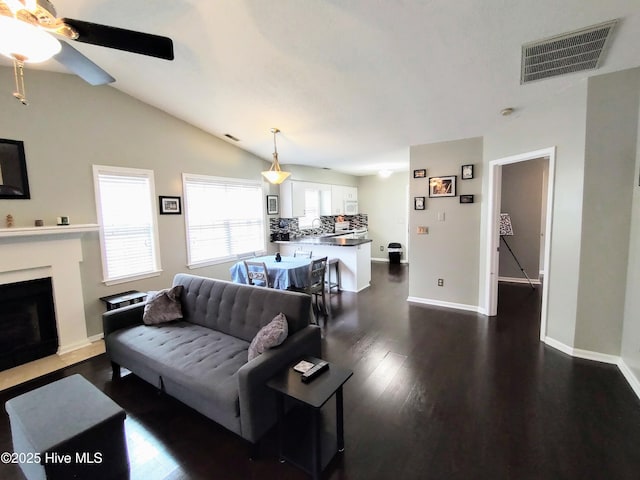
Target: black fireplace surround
27,322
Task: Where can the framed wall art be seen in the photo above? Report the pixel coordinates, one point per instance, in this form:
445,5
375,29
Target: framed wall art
422,173
466,198
14,183
272,205
418,203
442,186
170,206
467,172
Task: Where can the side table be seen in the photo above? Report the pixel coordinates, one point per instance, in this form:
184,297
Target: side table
116,301
294,444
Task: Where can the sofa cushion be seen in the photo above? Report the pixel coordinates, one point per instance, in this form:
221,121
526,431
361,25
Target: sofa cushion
163,306
200,359
269,336
240,310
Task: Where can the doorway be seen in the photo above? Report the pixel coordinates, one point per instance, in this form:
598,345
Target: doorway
493,237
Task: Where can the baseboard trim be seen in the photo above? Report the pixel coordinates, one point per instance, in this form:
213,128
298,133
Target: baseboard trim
632,380
440,303
535,281
627,373
73,346
96,338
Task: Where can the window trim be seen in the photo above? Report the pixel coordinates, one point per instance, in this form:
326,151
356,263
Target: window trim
228,180
138,172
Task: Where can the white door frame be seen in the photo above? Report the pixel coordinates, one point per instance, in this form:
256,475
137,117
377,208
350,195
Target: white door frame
493,237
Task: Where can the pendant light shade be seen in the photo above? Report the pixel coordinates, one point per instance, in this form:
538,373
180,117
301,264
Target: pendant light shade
275,175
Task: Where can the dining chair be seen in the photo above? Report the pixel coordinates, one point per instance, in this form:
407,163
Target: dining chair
315,284
302,253
257,272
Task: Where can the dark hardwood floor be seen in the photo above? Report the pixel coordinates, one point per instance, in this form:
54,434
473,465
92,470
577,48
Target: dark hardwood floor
436,394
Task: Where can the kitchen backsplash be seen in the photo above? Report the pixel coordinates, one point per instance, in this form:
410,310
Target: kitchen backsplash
290,225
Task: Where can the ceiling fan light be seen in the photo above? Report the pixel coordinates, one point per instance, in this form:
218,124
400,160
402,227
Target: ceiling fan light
28,43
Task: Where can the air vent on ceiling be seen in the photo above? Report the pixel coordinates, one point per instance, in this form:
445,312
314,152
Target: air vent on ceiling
231,137
567,53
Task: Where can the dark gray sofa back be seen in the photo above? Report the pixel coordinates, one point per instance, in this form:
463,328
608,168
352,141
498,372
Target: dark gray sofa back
239,310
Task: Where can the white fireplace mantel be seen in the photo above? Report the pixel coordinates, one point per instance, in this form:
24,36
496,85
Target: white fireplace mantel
56,252
47,230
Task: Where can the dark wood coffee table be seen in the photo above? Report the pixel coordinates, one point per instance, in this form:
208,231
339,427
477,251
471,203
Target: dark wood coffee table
310,449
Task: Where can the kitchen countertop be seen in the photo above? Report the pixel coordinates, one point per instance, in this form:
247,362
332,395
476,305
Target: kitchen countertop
328,241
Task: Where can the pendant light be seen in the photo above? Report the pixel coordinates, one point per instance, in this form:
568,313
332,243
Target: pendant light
274,175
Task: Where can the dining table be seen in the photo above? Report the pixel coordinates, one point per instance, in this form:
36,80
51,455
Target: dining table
284,274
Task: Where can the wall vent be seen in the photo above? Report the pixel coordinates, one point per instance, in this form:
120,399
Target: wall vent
231,137
567,53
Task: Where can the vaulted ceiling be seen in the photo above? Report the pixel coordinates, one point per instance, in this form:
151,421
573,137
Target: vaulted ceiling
350,83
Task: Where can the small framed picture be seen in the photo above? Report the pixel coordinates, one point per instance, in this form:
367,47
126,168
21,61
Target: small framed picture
170,206
272,205
466,198
442,186
422,173
418,203
467,172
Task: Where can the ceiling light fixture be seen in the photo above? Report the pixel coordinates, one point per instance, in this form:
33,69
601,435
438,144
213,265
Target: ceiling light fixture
275,175
23,43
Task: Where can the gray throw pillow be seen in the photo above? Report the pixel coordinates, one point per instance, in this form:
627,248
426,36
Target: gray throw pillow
271,335
163,306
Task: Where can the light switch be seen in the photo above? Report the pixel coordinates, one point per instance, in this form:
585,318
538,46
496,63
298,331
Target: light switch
441,216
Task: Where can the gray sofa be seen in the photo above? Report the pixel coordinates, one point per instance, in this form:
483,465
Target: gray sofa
202,359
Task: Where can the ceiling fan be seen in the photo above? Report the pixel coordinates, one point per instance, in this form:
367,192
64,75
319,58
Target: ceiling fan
26,28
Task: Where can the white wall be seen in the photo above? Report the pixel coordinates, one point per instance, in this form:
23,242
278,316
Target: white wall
384,200
69,126
450,249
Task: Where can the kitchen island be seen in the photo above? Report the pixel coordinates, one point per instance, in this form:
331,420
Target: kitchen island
354,255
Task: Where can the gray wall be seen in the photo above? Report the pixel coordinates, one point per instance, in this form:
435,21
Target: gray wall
560,122
384,200
70,126
631,325
450,250
522,193
610,156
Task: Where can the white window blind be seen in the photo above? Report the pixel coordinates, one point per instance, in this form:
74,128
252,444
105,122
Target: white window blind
224,218
128,231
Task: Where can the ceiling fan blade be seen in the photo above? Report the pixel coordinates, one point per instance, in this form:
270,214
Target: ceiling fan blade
127,40
82,66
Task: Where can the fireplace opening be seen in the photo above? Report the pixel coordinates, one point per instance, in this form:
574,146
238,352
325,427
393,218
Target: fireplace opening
27,322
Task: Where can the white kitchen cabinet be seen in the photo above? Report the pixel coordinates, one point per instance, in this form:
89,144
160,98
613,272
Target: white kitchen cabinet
292,199
341,194
328,200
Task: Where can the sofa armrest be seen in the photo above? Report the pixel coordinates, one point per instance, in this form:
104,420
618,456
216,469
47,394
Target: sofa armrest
257,401
122,318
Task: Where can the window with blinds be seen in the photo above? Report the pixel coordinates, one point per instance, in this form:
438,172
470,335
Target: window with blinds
127,217
224,218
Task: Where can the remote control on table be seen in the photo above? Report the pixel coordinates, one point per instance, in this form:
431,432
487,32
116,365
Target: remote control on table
315,371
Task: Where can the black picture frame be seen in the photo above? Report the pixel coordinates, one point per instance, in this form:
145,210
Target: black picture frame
421,173
444,186
419,203
466,172
14,182
466,198
273,205
170,205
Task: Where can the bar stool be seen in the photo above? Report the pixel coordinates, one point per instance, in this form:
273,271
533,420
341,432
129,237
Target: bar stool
333,262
